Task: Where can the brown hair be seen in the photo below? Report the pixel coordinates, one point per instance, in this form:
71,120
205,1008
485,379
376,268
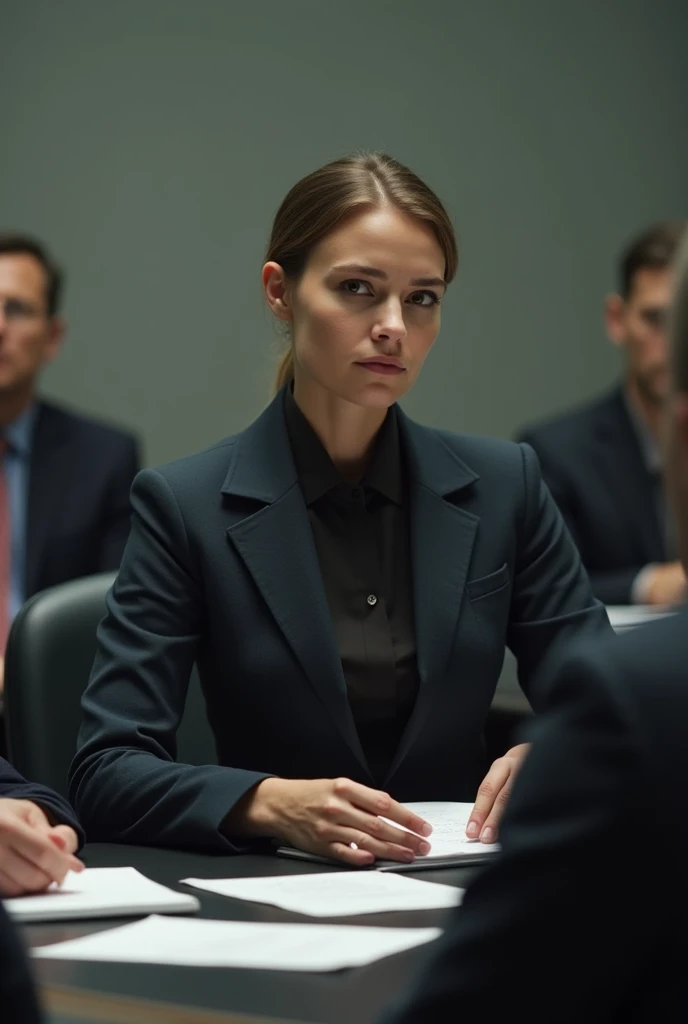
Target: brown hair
317,204
13,243
655,249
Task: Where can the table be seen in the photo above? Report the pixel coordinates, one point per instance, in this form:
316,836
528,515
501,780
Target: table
356,995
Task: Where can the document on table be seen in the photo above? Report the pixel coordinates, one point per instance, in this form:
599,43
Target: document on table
448,843
196,942
336,893
101,892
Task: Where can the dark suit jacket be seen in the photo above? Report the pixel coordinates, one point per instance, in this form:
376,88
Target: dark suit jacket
78,504
221,567
14,785
582,917
18,1003
592,463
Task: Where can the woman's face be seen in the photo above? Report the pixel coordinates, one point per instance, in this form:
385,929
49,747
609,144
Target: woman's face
366,309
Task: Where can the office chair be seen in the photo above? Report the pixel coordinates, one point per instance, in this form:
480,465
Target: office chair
48,662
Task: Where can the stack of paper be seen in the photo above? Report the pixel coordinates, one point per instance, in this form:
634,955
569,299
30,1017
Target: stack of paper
449,844
101,892
337,893
195,942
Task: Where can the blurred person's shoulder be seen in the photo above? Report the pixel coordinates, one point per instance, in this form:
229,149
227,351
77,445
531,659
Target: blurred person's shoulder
577,424
67,425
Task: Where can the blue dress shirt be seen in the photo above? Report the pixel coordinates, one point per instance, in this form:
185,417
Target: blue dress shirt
16,463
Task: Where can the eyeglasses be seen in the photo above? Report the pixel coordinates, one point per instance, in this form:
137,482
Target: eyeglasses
17,309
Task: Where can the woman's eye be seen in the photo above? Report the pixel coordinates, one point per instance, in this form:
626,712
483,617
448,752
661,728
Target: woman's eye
424,298
356,287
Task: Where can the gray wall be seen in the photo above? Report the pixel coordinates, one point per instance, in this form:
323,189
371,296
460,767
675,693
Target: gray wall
150,141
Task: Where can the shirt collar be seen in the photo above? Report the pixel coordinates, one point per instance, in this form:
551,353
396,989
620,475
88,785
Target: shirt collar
19,433
317,473
652,455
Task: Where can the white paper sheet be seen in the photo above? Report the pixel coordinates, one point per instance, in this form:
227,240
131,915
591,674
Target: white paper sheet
195,942
448,837
337,893
101,892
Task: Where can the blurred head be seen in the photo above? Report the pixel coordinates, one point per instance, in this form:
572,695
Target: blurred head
30,327
636,316
675,419
359,258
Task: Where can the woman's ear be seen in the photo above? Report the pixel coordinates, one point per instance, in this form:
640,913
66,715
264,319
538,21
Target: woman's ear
276,290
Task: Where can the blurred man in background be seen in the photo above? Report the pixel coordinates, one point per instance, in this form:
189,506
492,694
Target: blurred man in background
602,462
64,479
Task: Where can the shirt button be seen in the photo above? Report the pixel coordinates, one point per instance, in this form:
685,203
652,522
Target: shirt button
356,493
371,599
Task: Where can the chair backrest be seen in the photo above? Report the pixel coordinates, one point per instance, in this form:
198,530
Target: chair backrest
48,662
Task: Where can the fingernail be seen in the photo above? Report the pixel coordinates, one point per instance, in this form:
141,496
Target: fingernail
487,835
472,829
423,848
426,830
409,856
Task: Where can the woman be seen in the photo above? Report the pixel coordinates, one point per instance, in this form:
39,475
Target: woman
345,579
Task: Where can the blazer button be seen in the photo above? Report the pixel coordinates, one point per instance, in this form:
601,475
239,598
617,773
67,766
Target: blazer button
371,599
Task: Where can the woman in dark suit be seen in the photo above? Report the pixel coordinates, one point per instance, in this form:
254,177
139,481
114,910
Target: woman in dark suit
346,579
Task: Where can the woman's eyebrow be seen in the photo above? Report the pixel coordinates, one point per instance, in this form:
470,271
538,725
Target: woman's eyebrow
358,268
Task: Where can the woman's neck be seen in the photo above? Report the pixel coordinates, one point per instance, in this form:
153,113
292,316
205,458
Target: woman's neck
346,431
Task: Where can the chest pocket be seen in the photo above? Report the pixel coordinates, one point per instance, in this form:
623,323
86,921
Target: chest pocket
485,586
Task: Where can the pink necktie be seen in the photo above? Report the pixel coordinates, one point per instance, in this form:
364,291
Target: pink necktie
5,550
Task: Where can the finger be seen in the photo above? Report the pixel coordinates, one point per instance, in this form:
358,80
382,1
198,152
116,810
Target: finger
36,817
39,851
490,830
379,829
22,876
354,857
490,788
65,838
380,850
378,803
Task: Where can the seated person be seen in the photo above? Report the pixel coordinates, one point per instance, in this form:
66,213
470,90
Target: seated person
602,462
64,479
345,579
39,835
582,916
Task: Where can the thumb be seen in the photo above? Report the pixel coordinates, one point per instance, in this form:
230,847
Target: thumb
64,838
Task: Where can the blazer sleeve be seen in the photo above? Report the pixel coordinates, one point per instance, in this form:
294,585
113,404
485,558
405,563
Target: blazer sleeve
552,601
124,780
14,786
117,520
612,587
558,926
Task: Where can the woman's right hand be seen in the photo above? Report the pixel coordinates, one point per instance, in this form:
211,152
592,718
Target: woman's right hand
326,816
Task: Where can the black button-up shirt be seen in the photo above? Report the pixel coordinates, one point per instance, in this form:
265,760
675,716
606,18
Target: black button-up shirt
361,535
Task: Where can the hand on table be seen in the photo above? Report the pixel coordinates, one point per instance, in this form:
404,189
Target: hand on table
493,795
33,853
325,816
665,584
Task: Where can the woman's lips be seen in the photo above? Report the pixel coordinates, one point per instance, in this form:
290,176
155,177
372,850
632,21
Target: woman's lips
387,369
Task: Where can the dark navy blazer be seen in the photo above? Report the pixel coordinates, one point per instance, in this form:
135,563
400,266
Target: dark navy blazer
220,568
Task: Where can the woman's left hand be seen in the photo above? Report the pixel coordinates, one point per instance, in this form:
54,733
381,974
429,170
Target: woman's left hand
493,795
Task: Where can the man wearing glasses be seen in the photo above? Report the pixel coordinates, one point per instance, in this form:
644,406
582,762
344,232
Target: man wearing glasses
602,462
64,479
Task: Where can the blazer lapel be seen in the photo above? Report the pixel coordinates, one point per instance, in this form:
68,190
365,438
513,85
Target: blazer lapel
46,486
442,538
621,461
276,545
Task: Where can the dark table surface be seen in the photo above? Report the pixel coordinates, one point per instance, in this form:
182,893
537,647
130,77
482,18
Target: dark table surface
317,998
